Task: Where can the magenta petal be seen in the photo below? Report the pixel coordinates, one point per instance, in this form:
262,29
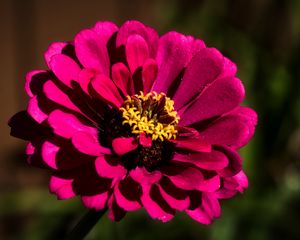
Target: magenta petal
149,73
49,151
105,29
210,185
153,209
242,179
134,27
61,187
172,56
199,215
97,202
211,205
194,144
213,160
107,90
66,124
28,80
91,51
56,95
178,204
115,213
202,70
53,49
220,97
122,78
104,169
124,202
34,110
65,68
124,145
88,144
188,179
136,51
145,141
143,177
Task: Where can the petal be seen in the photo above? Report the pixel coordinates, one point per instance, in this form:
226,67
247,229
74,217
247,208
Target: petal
53,49
134,27
152,207
143,177
242,180
211,205
88,144
97,202
29,78
220,97
124,145
202,70
172,56
199,215
122,78
178,204
56,95
213,160
34,110
106,90
187,179
66,124
210,185
107,168
105,29
123,202
91,51
149,74
49,152
61,187
136,51
193,144
65,68
116,213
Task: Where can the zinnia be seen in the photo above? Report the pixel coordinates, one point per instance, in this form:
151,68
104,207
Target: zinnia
126,119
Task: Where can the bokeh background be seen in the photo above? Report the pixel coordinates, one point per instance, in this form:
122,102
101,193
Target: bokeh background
261,36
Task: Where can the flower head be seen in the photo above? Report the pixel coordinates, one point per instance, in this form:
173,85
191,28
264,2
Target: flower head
127,119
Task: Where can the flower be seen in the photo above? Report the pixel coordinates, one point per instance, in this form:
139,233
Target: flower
126,119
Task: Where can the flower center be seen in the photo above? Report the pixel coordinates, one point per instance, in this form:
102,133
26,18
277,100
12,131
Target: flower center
152,114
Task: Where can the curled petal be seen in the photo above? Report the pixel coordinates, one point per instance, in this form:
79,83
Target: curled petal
106,168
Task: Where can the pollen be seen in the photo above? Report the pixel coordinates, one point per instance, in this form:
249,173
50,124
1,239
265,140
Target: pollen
152,114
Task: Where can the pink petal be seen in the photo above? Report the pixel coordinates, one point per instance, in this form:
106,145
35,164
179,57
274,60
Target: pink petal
122,78
149,74
107,90
66,124
134,27
124,145
242,179
178,204
105,29
199,215
56,95
187,179
210,185
145,141
152,207
97,202
123,202
194,144
34,110
91,51
49,151
61,187
211,205
213,160
106,170
136,51
172,56
65,68
143,177
220,97
202,70
88,144
115,213
84,78
54,49
28,79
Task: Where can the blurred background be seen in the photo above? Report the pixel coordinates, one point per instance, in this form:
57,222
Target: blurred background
261,36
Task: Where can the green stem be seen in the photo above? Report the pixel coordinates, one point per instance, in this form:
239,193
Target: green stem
84,226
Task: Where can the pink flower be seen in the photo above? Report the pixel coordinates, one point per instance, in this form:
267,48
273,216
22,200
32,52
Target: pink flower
127,119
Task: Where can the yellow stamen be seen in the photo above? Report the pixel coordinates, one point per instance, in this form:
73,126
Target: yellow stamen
146,121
